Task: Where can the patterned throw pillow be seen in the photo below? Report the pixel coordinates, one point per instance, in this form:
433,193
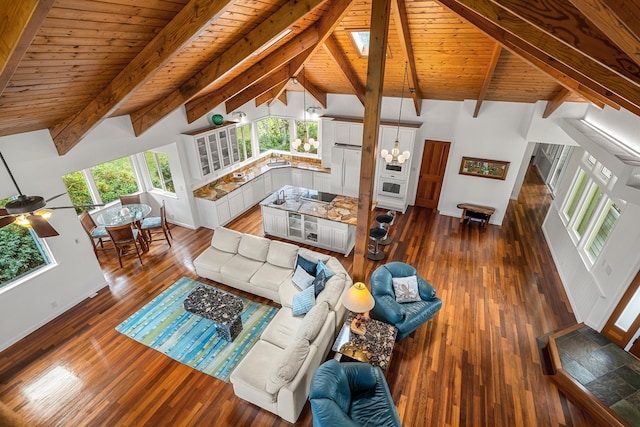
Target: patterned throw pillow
309,266
303,301
322,267
319,282
302,279
406,289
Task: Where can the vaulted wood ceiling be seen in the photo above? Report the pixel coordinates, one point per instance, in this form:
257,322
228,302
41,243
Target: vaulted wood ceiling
65,65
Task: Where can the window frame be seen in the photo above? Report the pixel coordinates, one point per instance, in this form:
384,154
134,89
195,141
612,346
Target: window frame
293,134
148,180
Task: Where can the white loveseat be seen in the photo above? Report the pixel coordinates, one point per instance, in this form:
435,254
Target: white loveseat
276,373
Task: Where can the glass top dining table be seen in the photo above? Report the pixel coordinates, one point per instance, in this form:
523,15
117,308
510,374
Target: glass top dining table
126,214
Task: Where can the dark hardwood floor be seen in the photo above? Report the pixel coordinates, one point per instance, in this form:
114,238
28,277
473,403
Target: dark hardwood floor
476,363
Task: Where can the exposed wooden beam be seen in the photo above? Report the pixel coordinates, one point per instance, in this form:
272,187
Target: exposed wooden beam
628,11
488,75
399,13
379,33
316,92
503,27
271,27
281,75
554,103
611,24
20,23
199,106
344,66
266,97
283,98
326,25
277,92
178,33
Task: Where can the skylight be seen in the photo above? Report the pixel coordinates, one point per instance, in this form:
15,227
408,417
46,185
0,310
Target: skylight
361,40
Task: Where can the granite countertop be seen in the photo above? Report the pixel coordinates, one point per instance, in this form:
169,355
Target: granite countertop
341,209
227,183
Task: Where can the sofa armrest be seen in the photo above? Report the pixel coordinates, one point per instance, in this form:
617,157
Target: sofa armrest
387,309
293,396
425,289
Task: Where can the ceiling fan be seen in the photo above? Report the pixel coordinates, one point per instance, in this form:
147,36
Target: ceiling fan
29,211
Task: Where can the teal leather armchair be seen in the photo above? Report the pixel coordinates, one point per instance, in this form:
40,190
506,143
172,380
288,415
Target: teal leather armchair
408,316
351,394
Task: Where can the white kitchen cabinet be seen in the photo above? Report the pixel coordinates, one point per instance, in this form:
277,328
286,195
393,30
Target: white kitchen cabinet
348,133
274,221
280,177
211,150
345,170
247,195
339,236
321,181
268,185
296,177
208,213
236,203
328,137
302,178
222,210
258,189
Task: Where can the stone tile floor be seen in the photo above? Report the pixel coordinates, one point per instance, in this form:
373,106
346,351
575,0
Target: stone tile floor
606,370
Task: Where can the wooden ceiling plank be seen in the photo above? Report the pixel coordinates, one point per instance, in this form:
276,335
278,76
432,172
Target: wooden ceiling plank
611,25
380,11
181,30
628,11
399,13
22,19
201,105
344,65
503,27
265,98
271,27
271,80
554,103
495,56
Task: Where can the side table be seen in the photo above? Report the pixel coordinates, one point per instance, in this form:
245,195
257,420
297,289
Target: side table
374,347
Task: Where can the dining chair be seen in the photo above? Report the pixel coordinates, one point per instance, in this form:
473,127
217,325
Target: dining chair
130,199
157,224
97,234
123,236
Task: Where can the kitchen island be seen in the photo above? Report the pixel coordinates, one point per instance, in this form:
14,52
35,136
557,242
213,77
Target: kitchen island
315,218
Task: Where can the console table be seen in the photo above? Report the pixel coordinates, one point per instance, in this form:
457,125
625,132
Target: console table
374,347
476,212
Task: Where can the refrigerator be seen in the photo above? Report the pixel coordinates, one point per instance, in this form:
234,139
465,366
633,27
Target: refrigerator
345,169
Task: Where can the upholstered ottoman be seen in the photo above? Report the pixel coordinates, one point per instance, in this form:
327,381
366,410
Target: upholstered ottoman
221,307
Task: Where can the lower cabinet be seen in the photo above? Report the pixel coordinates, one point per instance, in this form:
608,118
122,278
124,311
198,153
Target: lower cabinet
208,213
222,208
236,203
274,221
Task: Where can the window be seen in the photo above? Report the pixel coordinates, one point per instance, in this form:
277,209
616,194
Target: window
114,179
78,190
361,41
576,193
159,171
244,141
602,230
588,207
312,132
21,252
273,134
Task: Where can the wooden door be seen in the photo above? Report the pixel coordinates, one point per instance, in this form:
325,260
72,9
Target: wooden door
621,335
434,163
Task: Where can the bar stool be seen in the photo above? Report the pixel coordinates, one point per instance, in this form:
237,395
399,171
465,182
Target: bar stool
384,222
376,234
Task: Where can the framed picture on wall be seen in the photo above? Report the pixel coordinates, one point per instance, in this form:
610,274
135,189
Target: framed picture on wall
495,169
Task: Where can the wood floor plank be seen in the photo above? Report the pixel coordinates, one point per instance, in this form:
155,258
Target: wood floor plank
475,364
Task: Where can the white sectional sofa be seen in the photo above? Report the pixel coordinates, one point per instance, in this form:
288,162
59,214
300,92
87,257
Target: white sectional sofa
276,373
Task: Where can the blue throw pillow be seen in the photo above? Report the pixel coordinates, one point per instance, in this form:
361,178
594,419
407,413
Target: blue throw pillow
322,267
308,266
301,278
303,301
319,282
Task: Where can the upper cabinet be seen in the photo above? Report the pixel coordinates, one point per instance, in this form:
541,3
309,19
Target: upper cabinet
212,149
334,131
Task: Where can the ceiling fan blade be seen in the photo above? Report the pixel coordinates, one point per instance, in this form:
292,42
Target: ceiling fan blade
75,206
55,197
3,212
41,226
6,221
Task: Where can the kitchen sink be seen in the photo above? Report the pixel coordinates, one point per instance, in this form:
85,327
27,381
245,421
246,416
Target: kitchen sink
279,163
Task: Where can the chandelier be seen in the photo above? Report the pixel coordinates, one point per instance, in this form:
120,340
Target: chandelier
305,142
395,157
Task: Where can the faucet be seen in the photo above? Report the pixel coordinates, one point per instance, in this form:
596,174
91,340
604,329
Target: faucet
283,196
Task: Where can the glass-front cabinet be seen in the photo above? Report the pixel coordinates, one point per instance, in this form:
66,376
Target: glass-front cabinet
212,150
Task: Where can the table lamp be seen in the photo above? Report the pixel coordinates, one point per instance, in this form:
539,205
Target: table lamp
358,300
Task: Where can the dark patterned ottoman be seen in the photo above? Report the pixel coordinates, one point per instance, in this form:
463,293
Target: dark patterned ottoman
221,307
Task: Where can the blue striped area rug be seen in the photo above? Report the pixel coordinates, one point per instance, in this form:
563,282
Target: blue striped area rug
164,325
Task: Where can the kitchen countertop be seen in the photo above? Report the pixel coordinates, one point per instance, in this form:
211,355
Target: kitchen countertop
341,209
227,183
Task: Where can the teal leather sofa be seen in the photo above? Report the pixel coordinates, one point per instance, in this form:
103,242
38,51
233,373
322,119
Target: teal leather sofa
351,394
408,316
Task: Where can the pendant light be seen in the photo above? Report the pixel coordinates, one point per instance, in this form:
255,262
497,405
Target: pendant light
306,142
395,157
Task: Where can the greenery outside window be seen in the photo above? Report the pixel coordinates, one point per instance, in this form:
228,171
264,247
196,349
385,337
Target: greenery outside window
273,134
21,252
602,230
588,207
159,171
114,179
312,132
244,141
575,194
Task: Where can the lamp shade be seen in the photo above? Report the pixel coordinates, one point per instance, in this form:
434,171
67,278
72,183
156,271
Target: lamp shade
358,299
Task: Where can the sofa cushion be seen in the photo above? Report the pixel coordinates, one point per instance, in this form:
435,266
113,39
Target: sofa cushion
303,301
270,276
282,329
251,376
254,247
313,322
212,259
313,256
332,290
286,292
226,240
334,266
240,268
286,366
301,278
406,289
282,254
309,266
